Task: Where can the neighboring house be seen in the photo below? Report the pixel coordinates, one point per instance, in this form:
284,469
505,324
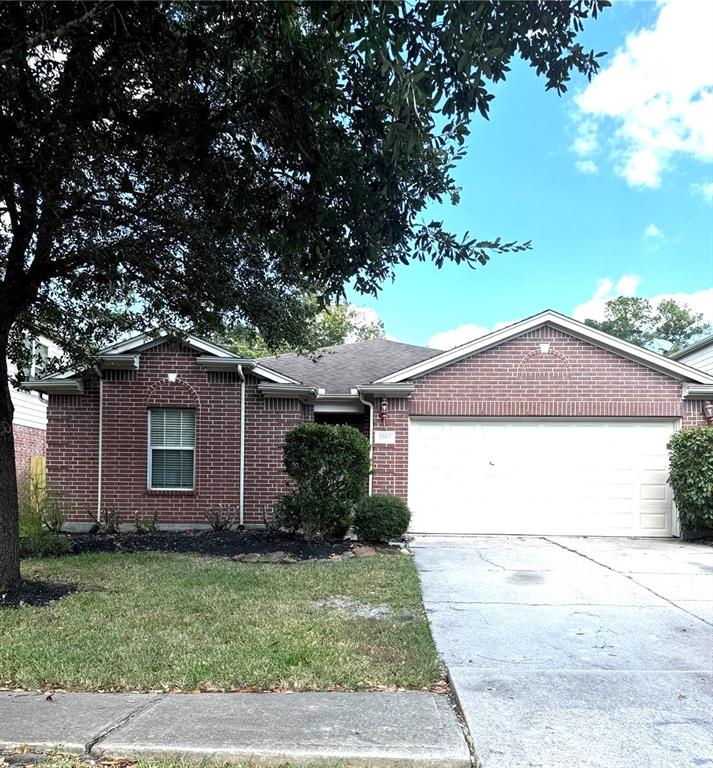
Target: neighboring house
698,355
547,426
29,424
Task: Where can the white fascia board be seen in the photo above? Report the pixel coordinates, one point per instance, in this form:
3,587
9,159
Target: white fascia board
386,390
119,362
273,376
561,322
296,392
708,341
213,363
55,386
144,341
698,392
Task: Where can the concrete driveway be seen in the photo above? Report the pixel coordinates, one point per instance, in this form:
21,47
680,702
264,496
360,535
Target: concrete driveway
576,652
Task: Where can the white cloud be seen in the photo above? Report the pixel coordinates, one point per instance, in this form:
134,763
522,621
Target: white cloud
655,97
586,166
653,231
705,191
461,334
698,301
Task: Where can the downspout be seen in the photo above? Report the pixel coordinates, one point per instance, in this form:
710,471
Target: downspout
242,447
370,406
101,444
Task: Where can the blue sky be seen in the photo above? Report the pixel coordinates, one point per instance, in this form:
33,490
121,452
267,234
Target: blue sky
613,183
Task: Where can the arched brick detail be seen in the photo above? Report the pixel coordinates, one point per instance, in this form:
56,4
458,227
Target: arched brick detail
167,394
543,365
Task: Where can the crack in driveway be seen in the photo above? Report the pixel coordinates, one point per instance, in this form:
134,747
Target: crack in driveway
626,576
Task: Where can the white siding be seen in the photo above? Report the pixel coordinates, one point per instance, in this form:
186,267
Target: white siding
31,407
701,358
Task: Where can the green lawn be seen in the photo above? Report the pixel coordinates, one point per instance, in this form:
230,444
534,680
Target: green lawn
161,621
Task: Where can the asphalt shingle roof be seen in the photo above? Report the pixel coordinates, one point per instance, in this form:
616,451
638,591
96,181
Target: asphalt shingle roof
338,369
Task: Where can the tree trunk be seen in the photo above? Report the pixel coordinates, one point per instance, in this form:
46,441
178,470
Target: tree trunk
9,524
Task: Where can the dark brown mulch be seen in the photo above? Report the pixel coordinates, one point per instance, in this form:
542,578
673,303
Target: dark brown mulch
37,593
223,544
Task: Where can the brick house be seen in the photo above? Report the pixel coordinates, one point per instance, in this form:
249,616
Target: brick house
544,427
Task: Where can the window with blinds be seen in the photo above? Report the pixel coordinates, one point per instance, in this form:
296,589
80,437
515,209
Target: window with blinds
172,448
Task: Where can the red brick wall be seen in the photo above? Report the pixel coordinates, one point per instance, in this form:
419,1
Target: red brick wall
127,396
574,379
29,442
72,449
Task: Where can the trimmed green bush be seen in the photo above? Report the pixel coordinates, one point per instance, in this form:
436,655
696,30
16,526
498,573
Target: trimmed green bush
381,517
330,468
691,476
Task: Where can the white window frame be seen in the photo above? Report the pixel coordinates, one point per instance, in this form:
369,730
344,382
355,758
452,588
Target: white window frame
149,478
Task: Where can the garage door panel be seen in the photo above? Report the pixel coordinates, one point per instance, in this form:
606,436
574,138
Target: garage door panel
540,477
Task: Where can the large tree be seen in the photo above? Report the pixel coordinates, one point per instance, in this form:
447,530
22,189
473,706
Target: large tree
665,327
185,164
336,324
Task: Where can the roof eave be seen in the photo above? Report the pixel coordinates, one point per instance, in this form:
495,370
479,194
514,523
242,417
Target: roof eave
54,386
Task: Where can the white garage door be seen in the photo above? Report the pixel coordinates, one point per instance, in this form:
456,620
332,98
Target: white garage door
540,477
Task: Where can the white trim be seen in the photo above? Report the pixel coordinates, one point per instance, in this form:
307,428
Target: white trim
697,392
119,362
291,391
561,322
270,375
702,344
55,386
151,448
386,390
145,341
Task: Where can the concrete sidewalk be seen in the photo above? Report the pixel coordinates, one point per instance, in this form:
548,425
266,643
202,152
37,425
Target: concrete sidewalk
372,729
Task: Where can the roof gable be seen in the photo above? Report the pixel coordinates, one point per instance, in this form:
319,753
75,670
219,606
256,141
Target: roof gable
563,323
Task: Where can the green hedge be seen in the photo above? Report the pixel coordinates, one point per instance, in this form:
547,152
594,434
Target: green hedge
381,517
691,476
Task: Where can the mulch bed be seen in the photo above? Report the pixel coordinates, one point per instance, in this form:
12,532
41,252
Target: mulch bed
36,593
211,543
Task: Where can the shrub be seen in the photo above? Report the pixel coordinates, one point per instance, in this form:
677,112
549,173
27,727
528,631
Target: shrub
381,517
220,518
35,539
44,543
109,520
330,467
146,523
691,476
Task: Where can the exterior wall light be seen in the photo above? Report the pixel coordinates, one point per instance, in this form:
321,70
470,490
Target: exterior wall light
544,348
172,377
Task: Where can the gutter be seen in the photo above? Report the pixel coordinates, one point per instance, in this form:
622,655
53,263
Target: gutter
370,406
241,520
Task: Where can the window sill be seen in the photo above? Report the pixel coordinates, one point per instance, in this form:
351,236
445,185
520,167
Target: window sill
170,491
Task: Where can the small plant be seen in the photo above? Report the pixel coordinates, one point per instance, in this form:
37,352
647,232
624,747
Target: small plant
44,543
691,476
330,467
220,518
146,523
109,520
381,517
37,539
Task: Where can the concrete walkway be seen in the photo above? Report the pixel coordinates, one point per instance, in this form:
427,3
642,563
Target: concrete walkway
575,652
370,729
